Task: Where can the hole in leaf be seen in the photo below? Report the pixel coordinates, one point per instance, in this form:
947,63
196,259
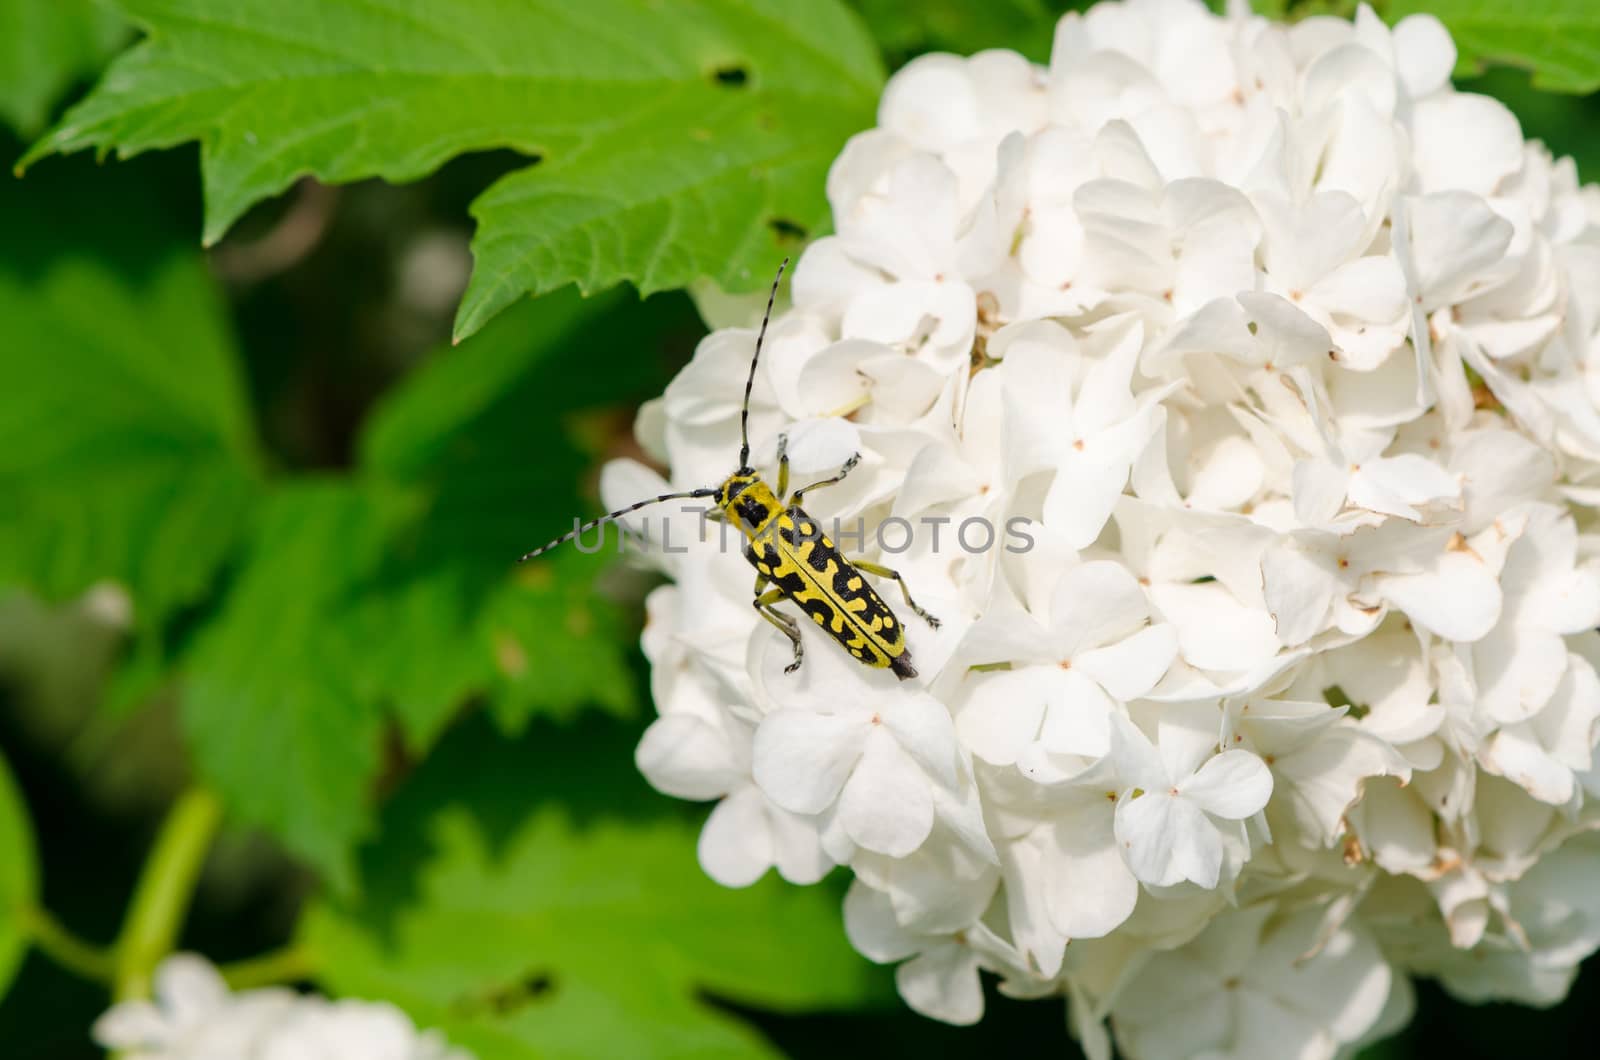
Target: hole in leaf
786,230
732,76
508,999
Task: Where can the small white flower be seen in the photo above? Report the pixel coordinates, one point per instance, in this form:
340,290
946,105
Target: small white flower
1174,790
1067,677
1319,761
1257,985
857,743
195,1017
706,755
940,978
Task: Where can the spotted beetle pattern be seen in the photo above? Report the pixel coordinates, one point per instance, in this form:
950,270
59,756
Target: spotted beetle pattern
799,559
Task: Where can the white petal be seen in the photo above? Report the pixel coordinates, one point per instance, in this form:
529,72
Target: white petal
1517,671
1094,891
1460,600
1320,487
686,757
1467,141
1197,847
1027,864
132,1025
1078,720
943,984
801,759
924,729
1457,239
1215,631
1413,478
189,987
1499,469
1514,753
1325,777
1300,587
872,928
1134,665
1083,495
797,847
1137,761
1094,604
931,102
736,843
1004,713
886,804
1233,784
1568,602
1147,831
1424,54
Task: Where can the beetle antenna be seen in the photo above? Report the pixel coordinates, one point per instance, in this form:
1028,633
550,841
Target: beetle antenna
744,410
609,517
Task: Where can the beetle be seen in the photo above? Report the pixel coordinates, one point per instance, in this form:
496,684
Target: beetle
792,555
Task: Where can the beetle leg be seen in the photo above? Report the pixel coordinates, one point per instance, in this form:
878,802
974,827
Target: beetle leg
764,604
878,570
849,465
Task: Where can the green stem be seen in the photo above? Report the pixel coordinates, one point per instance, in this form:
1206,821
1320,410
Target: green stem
290,964
165,888
52,939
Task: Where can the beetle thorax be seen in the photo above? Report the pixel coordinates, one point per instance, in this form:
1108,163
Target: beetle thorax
749,502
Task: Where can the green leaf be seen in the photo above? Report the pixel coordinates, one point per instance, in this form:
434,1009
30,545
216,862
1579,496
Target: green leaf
271,702
395,591
559,646
1557,40
540,906
477,456
673,140
45,46
906,30
19,876
126,448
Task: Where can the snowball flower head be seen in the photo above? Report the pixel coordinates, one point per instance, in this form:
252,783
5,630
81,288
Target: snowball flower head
195,1017
1227,389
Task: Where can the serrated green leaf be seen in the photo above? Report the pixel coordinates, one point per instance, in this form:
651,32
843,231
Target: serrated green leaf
126,447
675,140
19,876
1557,40
271,702
476,453
45,46
524,923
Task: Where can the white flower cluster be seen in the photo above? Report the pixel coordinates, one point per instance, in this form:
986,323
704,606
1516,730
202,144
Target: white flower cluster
195,1017
1288,352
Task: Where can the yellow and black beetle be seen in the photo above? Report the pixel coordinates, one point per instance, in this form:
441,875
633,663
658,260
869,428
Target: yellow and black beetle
791,553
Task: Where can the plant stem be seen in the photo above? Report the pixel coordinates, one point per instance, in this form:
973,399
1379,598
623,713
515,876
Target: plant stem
290,964
165,888
52,939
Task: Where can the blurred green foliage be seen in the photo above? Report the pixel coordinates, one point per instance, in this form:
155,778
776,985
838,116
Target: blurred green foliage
46,46
19,876
312,498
